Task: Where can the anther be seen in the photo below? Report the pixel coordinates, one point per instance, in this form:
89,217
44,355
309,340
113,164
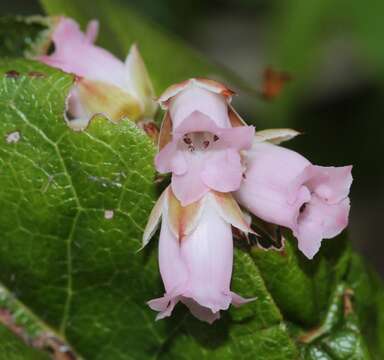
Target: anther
187,140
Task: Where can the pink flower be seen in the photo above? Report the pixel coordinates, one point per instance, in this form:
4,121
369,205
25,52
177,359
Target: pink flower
196,254
284,188
105,84
201,139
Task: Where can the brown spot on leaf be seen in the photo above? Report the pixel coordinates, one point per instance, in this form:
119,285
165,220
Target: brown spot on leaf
13,74
36,74
347,302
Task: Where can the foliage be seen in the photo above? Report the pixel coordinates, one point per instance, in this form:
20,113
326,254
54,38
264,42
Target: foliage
74,207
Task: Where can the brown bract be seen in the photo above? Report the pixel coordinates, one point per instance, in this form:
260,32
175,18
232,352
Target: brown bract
273,83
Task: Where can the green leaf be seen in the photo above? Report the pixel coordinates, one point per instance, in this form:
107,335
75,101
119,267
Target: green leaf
340,336
300,287
168,59
78,271
74,207
73,267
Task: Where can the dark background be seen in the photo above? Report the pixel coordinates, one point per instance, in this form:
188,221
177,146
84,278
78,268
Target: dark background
334,51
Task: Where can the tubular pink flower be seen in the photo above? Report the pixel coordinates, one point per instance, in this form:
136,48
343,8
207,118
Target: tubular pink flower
284,188
195,257
105,84
75,53
204,152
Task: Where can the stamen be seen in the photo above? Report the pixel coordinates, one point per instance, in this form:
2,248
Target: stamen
205,143
215,138
187,140
191,148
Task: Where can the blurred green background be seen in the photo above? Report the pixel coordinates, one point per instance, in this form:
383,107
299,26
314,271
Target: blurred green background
334,51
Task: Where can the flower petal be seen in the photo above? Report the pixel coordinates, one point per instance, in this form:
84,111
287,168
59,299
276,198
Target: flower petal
320,221
163,159
207,84
239,138
92,31
273,187
173,269
195,99
164,305
179,164
331,183
223,171
189,188
208,254
200,312
74,53
196,122
196,267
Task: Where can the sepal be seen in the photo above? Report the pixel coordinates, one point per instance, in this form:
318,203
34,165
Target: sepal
154,218
230,211
183,219
139,82
275,136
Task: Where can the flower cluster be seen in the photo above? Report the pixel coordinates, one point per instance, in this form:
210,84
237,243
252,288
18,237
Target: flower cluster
218,162
219,166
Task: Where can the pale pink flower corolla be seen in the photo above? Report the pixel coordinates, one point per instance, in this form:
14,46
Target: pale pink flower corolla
196,254
201,140
104,84
284,188
212,156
